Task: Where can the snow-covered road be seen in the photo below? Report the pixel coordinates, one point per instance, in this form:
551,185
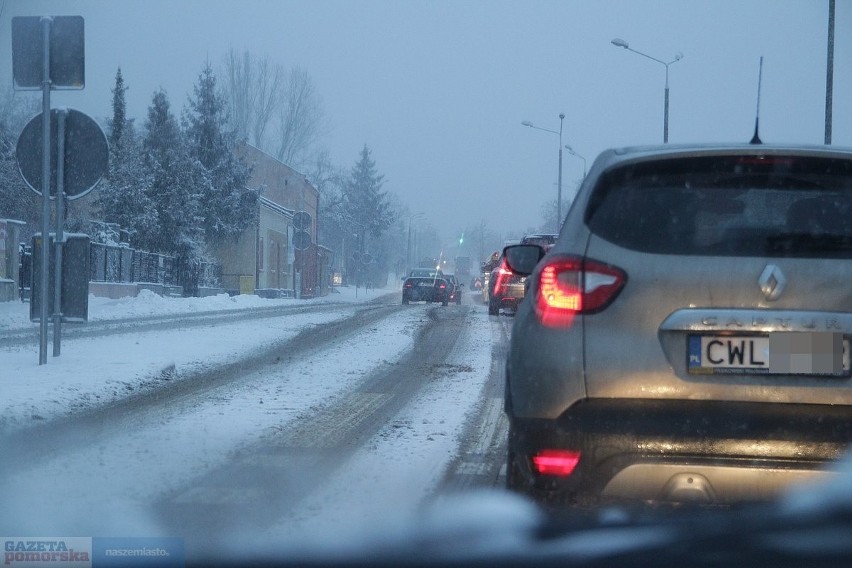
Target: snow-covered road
135,468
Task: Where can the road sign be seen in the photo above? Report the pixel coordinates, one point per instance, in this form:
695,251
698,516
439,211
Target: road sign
74,295
302,220
86,153
301,240
67,55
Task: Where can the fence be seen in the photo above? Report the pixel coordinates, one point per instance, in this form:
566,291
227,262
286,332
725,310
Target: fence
111,263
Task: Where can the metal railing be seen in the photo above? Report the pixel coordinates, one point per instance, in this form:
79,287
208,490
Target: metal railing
110,263
113,263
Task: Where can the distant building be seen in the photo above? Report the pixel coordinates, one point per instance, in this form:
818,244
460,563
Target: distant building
265,258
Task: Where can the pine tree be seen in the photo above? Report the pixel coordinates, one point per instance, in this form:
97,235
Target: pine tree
119,111
123,197
17,201
367,205
229,206
175,183
368,213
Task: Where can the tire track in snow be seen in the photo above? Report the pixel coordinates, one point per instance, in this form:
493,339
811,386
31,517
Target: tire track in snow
240,499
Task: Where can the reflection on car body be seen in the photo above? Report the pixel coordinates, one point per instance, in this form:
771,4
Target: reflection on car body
687,338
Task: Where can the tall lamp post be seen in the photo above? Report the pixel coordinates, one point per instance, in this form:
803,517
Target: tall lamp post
411,218
559,181
573,153
621,43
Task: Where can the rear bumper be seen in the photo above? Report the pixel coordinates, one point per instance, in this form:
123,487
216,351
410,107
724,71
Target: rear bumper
681,450
423,295
509,296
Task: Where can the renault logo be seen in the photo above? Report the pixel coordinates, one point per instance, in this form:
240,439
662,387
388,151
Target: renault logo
772,282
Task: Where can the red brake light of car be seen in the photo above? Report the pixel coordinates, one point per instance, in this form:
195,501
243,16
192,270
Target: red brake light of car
571,285
560,463
503,273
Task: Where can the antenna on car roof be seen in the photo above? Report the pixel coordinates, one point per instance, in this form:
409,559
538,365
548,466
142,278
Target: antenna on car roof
756,138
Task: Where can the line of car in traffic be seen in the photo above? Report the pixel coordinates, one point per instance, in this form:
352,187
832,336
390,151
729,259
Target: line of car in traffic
504,289
431,285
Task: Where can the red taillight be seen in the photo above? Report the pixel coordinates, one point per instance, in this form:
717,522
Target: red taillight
503,274
571,285
556,462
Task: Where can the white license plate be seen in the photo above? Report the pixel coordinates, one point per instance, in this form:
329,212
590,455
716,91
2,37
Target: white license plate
780,353
425,284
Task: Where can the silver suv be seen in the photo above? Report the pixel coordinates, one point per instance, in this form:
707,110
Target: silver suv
687,337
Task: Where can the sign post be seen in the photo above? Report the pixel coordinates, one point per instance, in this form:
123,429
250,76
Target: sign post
45,189
47,53
301,241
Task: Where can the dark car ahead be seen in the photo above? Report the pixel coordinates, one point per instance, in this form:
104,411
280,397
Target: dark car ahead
425,285
455,288
687,337
506,289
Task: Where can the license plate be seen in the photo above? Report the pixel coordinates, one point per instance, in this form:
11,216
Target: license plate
425,284
780,353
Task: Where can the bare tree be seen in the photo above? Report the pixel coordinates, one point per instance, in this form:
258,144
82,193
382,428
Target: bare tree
239,88
269,81
258,91
253,88
300,117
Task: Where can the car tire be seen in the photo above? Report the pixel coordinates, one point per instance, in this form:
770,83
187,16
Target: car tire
493,308
513,476
445,302
404,301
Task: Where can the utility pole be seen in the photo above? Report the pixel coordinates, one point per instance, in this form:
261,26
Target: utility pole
829,77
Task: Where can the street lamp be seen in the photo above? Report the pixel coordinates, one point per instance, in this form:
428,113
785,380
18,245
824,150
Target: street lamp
573,153
559,182
418,215
621,43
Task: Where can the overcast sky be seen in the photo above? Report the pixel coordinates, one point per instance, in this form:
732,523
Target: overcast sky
438,90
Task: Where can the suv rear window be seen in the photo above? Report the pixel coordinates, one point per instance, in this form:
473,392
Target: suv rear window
776,206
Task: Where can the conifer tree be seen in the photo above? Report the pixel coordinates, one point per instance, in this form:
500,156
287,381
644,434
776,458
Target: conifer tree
364,201
123,197
175,183
229,205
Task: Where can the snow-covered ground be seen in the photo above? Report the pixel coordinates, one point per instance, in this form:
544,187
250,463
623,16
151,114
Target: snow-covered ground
95,371
397,468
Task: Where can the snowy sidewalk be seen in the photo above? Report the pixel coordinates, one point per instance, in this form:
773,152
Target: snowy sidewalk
96,371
